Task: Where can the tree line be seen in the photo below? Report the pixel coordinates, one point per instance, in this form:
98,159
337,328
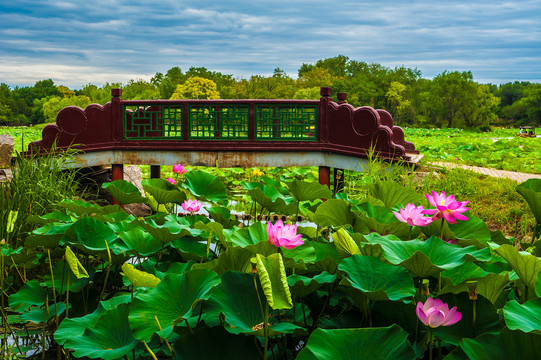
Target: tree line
451,99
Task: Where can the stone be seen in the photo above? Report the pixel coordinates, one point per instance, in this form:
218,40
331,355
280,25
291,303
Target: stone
7,144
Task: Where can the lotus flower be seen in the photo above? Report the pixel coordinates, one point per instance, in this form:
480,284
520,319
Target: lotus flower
413,215
281,235
446,207
179,169
435,313
172,181
191,205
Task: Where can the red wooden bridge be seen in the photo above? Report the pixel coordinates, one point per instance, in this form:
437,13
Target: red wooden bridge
228,133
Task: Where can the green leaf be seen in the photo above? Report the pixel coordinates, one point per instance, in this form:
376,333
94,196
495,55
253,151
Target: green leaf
236,298
538,285
12,218
138,242
232,259
31,293
505,345
124,192
526,266
206,186
308,190
525,317
277,205
110,337
303,286
377,280
48,236
489,286
335,212
392,194
388,343
61,274
90,235
273,278
531,191
168,231
39,314
171,302
345,244
139,278
75,265
425,258
464,272
163,191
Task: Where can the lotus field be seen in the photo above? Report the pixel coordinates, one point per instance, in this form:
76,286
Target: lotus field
393,275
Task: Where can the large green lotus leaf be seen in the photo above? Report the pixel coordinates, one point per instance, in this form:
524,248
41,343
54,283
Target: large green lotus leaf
531,191
474,231
237,300
334,212
507,344
31,293
124,192
466,271
222,215
345,244
302,285
154,205
171,302
308,190
190,248
489,286
273,278
299,256
225,346
426,258
392,194
43,313
139,278
377,280
387,313
327,258
109,338
73,327
48,236
206,186
526,266
215,228
163,191
232,259
352,344
80,207
51,217
538,285
487,318
168,231
138,242
525,317
90,235
254,238
378,219
278,205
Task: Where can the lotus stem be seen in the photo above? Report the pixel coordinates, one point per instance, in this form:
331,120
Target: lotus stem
266,331
160,327
54,290
67,297
430,338
150,351
23,278
108,269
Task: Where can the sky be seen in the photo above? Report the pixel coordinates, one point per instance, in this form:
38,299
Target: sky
98,41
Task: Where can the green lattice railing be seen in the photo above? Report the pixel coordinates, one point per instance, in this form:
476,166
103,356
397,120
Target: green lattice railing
286,122
213,121
219,121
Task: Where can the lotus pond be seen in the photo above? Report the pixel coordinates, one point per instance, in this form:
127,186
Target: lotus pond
394,274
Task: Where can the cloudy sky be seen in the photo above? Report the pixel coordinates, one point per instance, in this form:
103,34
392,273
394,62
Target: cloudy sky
97,41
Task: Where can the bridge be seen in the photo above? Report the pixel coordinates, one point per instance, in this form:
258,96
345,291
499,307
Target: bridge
228,133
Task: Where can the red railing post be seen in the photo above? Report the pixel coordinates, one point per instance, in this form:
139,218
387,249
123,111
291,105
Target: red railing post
323,126
116,115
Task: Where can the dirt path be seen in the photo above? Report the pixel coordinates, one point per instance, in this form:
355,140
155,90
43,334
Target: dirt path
519,177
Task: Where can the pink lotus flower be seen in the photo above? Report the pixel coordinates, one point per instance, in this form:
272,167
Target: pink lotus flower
191,205
413,215
179,169
172,181
446,207
283,235
435,313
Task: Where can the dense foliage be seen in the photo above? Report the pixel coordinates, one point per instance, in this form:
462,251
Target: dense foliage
451,99
356,280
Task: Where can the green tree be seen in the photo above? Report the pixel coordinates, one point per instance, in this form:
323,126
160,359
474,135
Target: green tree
139,90
54,104
312,93
480,109
399,104
451,91
196,88
532,103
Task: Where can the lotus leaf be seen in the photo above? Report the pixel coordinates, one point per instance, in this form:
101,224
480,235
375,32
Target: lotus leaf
527,266
206,187
351,344
124,192
171,302
377,280
273,278
525,317
139,278
163,191
392,194
308,190
30,294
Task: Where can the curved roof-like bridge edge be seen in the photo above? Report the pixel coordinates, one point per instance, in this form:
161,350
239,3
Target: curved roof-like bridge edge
228,133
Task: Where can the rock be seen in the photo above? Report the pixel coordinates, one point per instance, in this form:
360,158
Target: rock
5,175
7,145
132,174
